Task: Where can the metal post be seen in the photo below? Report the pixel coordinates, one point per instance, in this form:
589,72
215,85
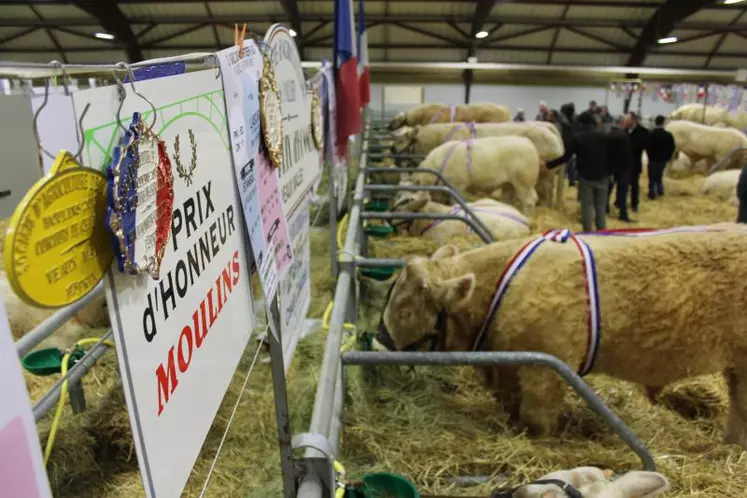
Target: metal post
77,396
485,359
281,401
332,201
76,372
310,486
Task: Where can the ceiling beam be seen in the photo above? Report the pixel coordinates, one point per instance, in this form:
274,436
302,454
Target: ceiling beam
17,35
556,35
430,34
112,19
212,25
399,46
175,34
479,17
662,23
722,38
414,18
499,38
50,34
290,7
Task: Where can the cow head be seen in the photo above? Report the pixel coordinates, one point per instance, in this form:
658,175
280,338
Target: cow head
398,121
408,202
420,302
403,139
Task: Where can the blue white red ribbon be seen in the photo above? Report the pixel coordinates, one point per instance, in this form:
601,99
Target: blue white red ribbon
592,290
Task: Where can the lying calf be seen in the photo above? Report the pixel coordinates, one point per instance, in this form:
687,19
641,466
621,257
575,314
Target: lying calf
504,221
651,309
590,482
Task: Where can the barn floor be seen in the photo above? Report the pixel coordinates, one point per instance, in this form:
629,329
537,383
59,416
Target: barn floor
433,425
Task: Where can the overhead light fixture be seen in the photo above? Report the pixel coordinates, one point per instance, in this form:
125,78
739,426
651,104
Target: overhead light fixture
292,33
668,39
104,36
481,34
729,2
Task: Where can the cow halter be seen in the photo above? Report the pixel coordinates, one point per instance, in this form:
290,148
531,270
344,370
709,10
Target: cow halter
436,341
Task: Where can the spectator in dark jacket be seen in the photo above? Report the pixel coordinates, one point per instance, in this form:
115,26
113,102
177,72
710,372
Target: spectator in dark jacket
638,143
742,196
620,158
568,111
590,147
660,151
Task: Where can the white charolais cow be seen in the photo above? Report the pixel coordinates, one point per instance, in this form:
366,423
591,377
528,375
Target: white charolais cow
485,165
503,221
709,143
441,113
545,137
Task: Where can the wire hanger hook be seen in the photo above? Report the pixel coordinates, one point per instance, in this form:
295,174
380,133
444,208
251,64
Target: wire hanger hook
123,94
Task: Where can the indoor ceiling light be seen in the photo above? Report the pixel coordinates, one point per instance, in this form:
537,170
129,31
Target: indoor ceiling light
729,2
481,34
104,36
668,39
292,33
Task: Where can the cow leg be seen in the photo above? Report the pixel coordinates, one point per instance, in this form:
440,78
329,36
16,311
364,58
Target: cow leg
736,426
542,395
504,381
544,189
560,189
527,198
652,392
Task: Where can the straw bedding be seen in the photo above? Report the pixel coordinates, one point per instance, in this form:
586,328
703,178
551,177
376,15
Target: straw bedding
433,425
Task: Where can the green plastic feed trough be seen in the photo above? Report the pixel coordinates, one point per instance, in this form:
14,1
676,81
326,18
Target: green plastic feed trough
378,273
385,485
379,231
378,205
48,361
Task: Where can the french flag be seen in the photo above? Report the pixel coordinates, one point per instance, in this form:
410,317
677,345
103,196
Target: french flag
346,75
365,79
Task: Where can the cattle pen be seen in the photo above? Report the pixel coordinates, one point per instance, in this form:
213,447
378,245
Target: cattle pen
326,421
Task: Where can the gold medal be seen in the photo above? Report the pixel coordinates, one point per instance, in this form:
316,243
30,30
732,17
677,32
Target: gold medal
271,114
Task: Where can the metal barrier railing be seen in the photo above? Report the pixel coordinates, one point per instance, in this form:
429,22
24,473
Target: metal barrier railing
327,403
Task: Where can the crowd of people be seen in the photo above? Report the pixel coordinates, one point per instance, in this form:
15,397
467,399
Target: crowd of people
605,155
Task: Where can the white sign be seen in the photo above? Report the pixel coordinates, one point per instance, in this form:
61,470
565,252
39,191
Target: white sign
258,181
179,339
57,123
300,167
295,287
21,466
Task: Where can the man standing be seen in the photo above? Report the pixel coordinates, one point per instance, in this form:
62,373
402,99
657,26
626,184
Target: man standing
638,143
742,196
542,115
620,158
590,147
660,151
